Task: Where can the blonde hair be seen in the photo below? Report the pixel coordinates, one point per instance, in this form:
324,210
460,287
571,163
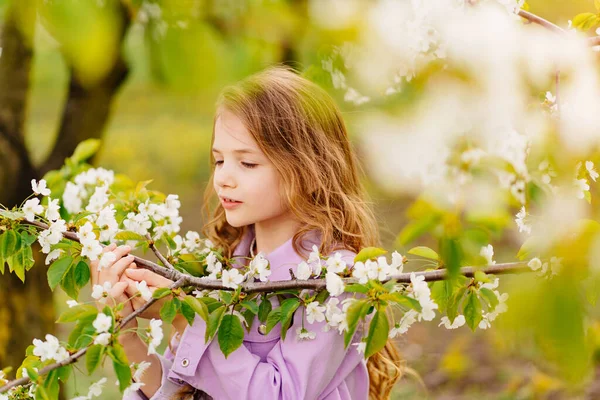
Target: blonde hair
300,129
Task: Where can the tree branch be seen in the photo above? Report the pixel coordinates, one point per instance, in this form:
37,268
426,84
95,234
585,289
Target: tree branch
158,254
252,287
540,21
75,356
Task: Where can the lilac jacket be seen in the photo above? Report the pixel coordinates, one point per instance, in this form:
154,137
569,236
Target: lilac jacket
266,367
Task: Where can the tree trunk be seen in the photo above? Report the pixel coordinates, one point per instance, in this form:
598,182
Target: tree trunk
26,310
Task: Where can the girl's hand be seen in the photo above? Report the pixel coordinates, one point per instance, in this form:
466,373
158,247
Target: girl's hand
134,275
113,274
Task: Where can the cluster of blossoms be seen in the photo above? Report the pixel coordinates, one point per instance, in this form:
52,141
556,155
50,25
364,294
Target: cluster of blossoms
102,324
164,215
154,335
546,269
49,349
192,243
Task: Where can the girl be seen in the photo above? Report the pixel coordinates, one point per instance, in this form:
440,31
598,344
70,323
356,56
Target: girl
286,178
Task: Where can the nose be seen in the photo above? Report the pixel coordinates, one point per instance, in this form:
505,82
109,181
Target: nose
224,176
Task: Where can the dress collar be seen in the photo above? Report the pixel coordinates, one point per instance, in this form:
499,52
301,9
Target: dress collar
283,257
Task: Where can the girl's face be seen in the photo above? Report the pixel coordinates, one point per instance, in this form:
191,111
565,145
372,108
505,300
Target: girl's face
243,173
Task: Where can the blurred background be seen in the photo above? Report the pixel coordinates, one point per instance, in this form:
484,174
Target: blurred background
143,76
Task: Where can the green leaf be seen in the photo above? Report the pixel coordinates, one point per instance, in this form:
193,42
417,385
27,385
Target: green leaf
451,254
9,242
416,229
357,310
226,296
481,276
58,270
402,300
491,298
168,311
68,284
288,307
188,312
231,334
85,150
369,253
425,252
82,274
21,260
264,309
78,312
161,292
454,303
12,215
128,235
356,288
584,21
250,305
378,333
123,373
214,320
472,311
93,357
84,324
273,318
198,306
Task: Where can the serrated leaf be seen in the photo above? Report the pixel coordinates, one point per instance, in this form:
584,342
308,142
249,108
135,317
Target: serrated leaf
123,373
369,253
491,298
230,335
214,320
356,288
161,292
273,318
85,150
425,252
58,270
198,306
250,305
472,311
378,333
356,311
288,307
168,311
76,313
93,357
128,235
402,300
264,309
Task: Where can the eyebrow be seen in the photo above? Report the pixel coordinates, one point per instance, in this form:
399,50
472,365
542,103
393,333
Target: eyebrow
238,151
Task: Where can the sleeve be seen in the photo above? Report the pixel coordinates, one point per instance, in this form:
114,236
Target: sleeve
293,369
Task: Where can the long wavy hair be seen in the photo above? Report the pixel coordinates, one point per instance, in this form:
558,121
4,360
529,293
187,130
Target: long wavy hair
300,129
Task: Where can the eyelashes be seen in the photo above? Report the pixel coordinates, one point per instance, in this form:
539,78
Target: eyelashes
245,164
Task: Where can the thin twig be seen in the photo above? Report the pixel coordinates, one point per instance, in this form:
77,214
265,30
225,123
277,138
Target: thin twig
75,356
159,255
540,21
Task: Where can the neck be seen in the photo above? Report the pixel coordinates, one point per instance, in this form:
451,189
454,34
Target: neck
270,234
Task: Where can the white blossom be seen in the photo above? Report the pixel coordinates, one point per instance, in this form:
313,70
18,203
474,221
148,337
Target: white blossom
72,198
304,334
314,312
140,369
520,220
40,188
101,292
581,186
31,208
488,253
421,292
155,335
131,389
535,264
102,323
50,349
52,210
259,266
335,264
360,272
53,255
589,165
303,271
360,347
98,199
334,284
212,264
142,287
103,339
72,303
138,223
96,388
458,322
409,318
232,278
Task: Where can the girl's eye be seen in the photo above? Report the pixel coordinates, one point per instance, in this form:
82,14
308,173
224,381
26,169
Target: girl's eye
248,165
218,162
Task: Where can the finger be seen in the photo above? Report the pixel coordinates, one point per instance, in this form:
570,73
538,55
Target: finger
110,247
118,292
119,266
122,251
150,277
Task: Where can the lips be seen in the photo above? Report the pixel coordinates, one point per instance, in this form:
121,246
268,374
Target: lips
228,199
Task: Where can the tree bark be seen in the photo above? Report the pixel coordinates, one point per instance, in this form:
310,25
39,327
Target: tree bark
26,310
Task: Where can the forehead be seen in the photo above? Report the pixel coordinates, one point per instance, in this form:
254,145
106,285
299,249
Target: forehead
231,134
